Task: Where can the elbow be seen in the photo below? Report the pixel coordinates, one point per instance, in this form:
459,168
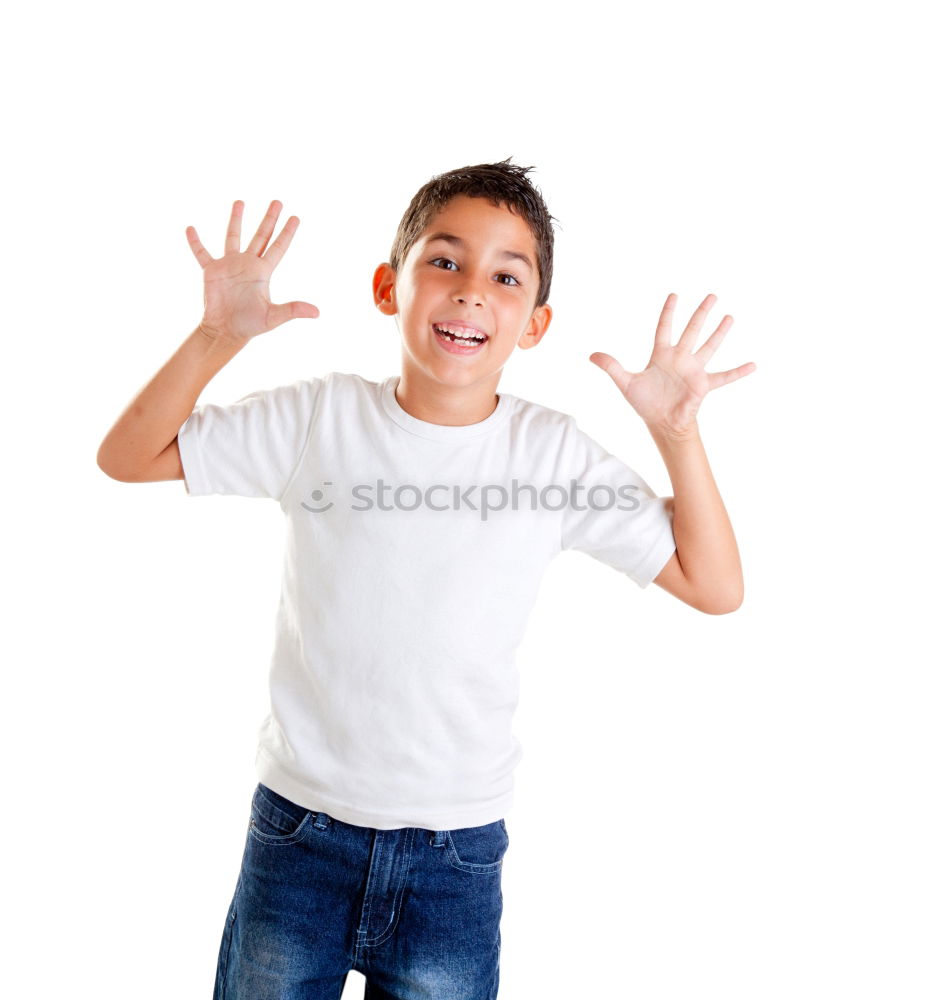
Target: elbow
102,459
716,603
721,609
109,469
116,477
102,463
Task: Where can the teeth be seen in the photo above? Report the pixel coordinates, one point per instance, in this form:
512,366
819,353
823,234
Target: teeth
460,337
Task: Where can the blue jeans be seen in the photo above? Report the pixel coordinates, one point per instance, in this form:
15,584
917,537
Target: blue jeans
417,912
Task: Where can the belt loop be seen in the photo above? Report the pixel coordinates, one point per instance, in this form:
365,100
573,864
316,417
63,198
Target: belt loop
439,838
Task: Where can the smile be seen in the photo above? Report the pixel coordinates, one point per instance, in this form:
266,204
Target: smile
459,337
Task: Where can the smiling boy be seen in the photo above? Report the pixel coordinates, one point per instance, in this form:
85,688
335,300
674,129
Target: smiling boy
376,834
474,272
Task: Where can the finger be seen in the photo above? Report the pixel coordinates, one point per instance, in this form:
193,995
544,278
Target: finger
613,367
260,239
717,379
277,249
688,336
664,327
291,310
233,236
712,344
199,251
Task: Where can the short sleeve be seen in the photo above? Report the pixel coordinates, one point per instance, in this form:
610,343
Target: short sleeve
613,515
251,447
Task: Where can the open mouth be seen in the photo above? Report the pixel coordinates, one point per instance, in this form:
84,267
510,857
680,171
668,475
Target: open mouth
462,336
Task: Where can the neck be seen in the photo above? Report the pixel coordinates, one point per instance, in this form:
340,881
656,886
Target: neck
451,406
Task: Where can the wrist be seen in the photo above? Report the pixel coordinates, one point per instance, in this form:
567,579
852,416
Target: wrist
216,338
666,435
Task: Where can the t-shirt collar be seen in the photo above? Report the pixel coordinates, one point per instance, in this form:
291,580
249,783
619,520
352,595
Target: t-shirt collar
442,432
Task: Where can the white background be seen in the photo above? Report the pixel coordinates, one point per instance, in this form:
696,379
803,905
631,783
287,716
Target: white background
742,806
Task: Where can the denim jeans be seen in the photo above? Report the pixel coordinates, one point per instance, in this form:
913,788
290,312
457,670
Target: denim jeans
417,912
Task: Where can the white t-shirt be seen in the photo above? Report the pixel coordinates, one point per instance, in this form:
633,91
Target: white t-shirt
413,558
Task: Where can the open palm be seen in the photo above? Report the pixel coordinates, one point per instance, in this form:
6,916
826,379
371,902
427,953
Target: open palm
236,299
667,394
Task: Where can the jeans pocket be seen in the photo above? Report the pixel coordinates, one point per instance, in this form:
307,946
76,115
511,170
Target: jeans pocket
478,849
275,819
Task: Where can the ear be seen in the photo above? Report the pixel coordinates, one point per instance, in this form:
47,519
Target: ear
536,327
383,289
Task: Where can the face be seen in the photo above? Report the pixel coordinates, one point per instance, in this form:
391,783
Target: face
472,273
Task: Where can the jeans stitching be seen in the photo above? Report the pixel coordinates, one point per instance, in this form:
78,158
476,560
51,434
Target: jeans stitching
454,859
404,870
227,941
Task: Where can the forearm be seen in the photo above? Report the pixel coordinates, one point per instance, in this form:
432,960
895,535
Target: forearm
152,419
705,542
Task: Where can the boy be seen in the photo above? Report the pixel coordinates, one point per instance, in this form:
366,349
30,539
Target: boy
421,513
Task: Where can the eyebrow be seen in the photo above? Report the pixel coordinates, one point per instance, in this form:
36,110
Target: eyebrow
457,241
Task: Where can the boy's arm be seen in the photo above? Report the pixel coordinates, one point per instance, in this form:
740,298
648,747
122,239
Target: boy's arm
705,571
142,445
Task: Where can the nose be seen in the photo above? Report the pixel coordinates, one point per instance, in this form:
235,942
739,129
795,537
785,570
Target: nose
469,292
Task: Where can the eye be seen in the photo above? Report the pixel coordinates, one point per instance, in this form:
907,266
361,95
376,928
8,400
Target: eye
511,279
442,262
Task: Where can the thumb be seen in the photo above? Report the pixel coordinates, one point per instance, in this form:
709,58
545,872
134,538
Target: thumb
291,310
613,367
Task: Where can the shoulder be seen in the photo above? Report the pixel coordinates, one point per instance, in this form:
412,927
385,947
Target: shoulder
350,385
539,419
556,432
332,389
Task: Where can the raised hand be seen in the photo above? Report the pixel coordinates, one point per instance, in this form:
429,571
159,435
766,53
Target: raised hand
236,302
668,392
